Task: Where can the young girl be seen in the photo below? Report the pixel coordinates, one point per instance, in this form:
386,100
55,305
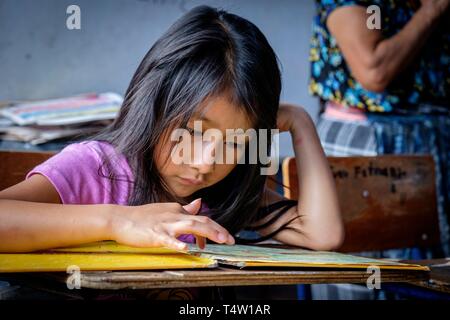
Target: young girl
210,66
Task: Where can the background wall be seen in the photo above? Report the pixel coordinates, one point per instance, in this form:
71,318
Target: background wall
41,58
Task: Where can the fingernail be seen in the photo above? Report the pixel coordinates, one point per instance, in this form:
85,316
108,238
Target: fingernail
222,237
230,239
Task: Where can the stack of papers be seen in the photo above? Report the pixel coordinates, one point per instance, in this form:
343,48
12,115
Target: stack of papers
41,121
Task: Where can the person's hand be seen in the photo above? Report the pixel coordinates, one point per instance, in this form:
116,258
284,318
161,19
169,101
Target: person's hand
289,116
285,117
194,208
159,224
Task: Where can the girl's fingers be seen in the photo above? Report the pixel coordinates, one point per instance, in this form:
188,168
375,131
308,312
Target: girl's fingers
221,230
206,221
200,229
215,225
172,243
201,242
193,207
191,210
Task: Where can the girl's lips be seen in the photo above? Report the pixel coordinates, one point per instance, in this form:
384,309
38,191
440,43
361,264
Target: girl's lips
188,181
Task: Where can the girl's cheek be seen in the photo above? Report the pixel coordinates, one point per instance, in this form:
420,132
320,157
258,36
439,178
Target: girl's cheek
232,155
223,170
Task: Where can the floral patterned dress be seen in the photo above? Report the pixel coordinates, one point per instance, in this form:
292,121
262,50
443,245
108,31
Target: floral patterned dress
426,80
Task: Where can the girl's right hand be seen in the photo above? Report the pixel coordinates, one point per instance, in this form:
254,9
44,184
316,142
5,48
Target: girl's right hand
159,224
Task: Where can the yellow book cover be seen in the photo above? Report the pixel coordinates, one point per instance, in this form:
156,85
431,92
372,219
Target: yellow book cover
101,256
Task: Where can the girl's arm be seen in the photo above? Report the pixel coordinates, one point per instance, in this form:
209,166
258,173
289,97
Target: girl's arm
320,224
374,60
32,218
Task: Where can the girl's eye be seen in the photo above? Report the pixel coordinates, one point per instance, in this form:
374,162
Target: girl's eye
192,132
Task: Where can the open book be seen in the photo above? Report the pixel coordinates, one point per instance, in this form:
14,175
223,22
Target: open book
109,255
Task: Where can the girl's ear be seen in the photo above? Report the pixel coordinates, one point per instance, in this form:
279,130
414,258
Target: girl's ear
194,206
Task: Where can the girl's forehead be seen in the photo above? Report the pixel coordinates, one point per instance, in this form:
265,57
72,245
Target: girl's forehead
220,112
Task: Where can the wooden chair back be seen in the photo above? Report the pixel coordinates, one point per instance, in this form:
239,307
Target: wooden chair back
14,165
387,201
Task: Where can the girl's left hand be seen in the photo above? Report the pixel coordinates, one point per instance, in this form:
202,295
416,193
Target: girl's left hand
287,116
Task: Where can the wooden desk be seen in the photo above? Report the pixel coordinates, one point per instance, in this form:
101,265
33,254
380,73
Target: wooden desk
234,277
223,276
438,280
439,276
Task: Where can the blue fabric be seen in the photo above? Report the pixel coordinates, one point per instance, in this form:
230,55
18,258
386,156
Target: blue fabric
419,133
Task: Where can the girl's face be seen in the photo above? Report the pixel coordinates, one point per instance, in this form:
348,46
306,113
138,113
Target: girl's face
202,171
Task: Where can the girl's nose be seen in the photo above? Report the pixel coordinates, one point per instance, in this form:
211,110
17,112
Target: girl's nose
204,159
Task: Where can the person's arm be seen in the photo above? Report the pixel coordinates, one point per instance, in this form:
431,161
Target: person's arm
32,218
373,60
320,225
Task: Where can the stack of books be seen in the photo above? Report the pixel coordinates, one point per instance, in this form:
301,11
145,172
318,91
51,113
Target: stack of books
41,121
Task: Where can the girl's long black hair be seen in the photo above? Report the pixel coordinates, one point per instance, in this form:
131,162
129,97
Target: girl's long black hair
205,53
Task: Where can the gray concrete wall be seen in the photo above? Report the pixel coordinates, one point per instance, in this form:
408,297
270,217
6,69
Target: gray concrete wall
41,58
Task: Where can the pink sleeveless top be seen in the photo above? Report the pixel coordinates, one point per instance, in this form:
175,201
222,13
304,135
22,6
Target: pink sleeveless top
80,176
